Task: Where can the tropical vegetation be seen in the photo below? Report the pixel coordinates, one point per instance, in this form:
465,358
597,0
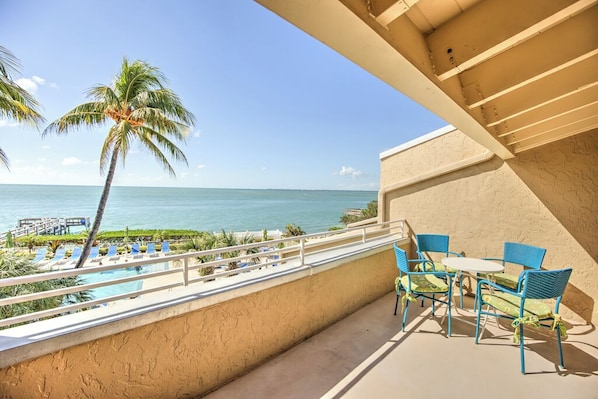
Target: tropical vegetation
12,265
371,211
142,110
16,103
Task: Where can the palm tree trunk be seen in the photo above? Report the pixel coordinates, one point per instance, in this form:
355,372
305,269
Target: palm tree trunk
100,212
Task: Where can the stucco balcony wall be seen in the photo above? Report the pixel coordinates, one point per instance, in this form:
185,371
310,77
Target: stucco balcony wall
546,197
199,342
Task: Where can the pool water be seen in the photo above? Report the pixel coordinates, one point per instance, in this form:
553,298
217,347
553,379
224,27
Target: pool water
122,288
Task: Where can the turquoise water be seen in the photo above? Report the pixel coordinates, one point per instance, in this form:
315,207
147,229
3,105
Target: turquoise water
200,209
117,289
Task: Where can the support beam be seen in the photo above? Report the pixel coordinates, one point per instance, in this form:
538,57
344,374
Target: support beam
453,55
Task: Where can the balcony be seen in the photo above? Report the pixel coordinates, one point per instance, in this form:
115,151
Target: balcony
319,324
366,355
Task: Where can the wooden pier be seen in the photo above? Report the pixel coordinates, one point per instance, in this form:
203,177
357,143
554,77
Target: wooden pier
40,226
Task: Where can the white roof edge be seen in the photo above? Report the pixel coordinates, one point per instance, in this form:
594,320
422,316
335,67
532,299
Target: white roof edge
417,141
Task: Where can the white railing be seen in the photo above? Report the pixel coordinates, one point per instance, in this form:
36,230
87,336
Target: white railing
247,257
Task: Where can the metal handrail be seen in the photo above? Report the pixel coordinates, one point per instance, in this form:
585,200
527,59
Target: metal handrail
280,251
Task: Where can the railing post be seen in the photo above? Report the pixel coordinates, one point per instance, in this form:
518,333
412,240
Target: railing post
363,235
186,272
302,251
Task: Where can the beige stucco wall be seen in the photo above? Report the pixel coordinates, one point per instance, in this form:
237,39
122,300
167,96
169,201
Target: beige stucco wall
188,355
547,197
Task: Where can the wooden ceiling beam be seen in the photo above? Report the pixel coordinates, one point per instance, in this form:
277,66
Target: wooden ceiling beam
555,135
567,82
555,109
471,38
554,123
392,10
514,68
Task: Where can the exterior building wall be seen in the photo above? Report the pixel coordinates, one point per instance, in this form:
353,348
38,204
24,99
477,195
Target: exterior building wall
546,197
189,355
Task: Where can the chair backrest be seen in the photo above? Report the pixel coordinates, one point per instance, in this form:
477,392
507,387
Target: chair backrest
165,247
76,254
112,249
544,284
401,257
524,255
94,252
59,254
151,247
432,243
40,254
135,248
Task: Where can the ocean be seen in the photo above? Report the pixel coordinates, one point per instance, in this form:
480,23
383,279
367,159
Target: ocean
202,209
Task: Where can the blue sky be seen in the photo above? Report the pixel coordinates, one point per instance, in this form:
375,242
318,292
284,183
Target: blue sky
274,107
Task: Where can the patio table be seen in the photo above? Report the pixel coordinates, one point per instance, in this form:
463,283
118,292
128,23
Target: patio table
470,266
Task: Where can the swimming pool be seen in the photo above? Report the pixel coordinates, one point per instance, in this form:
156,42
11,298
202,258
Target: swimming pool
122,288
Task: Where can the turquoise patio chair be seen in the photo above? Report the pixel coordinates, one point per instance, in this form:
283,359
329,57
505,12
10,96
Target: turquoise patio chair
526,256
429,244
527,305
430,285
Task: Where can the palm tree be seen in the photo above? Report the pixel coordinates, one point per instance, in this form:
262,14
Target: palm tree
142,110
15,102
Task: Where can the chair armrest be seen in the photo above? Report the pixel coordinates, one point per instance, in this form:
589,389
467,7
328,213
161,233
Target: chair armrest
423,260
455,253
495,286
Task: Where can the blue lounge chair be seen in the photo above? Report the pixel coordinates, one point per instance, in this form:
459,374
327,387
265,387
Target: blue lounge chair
165,247
94,254
151,250
75,255
58,255
112,253
135,252
40,255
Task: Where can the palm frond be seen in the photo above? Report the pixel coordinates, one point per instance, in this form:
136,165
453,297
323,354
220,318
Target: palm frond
102,93
88,114
8,63
18,104
4,159
163,142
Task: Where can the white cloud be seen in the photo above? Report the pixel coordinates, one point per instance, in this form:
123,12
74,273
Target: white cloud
71,161
33,83
28,84
201,166
197,134
349,171
5,122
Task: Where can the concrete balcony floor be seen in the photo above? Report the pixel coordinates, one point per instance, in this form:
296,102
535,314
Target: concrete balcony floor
367,356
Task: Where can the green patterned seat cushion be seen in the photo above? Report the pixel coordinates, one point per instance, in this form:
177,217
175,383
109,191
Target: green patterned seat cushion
504,279
438,266
509,304
424,283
